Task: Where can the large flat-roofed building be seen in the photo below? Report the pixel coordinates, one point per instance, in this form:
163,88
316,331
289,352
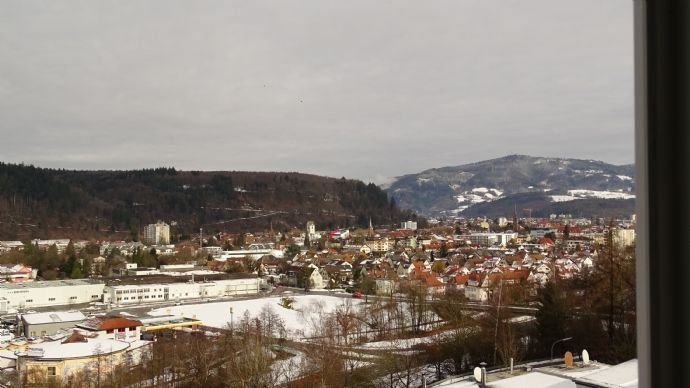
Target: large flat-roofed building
157,234
49,323
168,288
487,239
15,296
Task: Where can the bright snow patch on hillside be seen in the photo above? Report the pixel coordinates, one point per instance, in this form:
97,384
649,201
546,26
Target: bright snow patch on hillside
624,177
480,190
563,198
582,194
600,194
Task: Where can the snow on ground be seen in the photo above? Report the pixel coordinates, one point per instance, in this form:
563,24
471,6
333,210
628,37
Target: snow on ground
405,343
581,194
600,194
478,195
624,177
563,198
460,209
305,313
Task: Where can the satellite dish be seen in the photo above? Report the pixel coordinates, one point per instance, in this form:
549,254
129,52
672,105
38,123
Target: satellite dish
478,374
585,357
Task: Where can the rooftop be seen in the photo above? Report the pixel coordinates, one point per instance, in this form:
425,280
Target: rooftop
53,317
56,350
109,323
49,283
163,279
593,374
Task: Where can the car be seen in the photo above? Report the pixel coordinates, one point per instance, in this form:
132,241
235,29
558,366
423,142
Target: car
357,294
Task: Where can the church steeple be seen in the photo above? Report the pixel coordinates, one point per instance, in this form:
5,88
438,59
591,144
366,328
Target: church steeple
371,228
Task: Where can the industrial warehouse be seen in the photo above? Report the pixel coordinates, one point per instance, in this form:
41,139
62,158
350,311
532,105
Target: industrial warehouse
125,291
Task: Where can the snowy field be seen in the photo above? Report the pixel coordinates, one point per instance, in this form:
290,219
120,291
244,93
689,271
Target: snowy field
582,194
305,314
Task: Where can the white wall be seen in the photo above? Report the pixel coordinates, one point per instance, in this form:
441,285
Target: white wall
137,294
59,294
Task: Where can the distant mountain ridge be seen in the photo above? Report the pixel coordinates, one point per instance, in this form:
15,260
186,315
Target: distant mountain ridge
544,185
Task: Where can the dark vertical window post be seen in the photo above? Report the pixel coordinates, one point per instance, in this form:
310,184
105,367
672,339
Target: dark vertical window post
662,88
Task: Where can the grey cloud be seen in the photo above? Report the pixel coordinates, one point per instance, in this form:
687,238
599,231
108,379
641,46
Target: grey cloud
359,89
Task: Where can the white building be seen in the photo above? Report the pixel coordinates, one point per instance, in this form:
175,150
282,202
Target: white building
147,293
255,252
381,245
409,225
6,246
165,250
61,244
487,239
624,237
157,234
125,248
311,229
49,293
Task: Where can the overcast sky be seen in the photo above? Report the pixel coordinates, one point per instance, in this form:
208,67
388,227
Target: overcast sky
362,89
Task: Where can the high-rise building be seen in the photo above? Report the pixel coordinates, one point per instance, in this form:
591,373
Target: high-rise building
157,234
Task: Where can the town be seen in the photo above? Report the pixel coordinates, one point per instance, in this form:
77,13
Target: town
67,304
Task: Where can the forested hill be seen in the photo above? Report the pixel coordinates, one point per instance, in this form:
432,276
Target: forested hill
45,203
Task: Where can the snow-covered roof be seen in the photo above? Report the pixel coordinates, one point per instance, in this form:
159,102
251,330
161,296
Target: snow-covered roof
14,268
53,317
621,375
534,379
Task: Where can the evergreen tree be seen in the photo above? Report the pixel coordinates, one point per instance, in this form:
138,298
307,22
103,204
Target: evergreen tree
291,251
70,251
76,272
551,317
86,269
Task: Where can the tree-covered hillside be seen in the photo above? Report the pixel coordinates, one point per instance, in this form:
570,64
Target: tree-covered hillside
37,202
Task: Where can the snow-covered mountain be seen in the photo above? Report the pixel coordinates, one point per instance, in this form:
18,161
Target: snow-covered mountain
550,184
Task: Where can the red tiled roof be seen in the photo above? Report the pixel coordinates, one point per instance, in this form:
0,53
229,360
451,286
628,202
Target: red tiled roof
109,323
